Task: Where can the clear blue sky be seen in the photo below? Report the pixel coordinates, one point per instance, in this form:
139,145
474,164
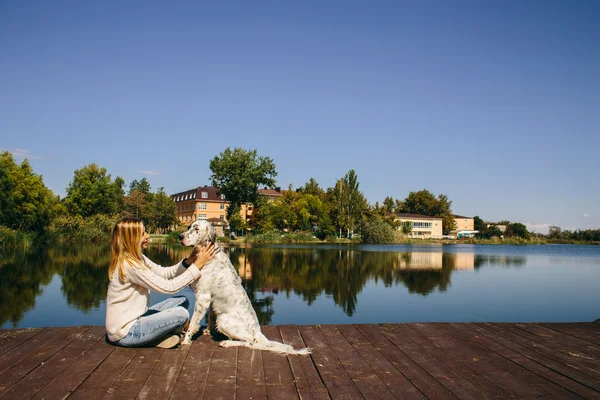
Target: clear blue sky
495,104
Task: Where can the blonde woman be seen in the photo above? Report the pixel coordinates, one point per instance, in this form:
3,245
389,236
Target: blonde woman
130,322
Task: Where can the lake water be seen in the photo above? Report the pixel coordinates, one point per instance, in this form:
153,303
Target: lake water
325,284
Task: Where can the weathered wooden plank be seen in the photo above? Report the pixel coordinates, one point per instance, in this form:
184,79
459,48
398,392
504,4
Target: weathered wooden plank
554,346
397,384
585,331
59,338
451,352
69,379
47,371
161,381
498,369
364,378
561,341
14,337
133,377
10,357
194,372
456,384
250,383
220,384
419,377
308,381
336,379
568,362
278,373
97,384
521,356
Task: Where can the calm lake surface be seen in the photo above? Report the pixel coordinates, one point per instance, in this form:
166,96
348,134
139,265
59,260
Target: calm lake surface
331,284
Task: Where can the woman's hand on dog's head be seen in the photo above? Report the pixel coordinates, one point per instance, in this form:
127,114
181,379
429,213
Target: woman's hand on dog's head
201,255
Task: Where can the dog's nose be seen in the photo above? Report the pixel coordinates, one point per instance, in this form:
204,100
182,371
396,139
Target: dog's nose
181,236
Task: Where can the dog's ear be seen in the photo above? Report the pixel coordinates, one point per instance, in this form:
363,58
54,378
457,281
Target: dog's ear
211,234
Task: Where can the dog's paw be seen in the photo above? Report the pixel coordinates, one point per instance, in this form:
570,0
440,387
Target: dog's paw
206,332
186,340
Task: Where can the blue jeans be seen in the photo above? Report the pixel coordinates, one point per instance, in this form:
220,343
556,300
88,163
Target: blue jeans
167,317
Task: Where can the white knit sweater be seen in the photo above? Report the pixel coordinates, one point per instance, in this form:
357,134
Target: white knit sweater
129,300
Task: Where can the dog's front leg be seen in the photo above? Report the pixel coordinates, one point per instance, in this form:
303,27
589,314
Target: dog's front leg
202,303
211,322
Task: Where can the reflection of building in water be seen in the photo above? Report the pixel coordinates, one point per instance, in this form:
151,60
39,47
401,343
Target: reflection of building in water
245,269
416,260
464,261
419,261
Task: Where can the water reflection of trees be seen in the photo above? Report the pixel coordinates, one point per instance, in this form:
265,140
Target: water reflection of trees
26,273
307,272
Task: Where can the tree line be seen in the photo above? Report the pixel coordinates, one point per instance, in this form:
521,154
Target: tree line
94,201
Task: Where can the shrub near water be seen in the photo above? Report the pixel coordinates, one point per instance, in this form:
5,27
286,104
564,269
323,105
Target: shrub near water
278,237
67,229
10,238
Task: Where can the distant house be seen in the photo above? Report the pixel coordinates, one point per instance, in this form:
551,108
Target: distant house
464,223
421,226
205,202
271,194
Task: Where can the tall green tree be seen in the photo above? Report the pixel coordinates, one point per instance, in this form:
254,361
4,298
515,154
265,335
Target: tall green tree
347,203
312,187
426,203
141,186
160,212
388,204
238,173
138,199
25,202
92,191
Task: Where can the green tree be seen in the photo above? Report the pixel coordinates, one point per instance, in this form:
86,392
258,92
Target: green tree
388,204
238,173
425,203
554,232
138,199
518,230
312,187
92,191
479,224
25,203
160,212
142,186
377,231
347,203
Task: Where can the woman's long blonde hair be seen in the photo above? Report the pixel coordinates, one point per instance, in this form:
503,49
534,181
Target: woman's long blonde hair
125,245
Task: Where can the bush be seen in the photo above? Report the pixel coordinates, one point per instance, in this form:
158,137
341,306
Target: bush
377,231
278,237
75,228
10,239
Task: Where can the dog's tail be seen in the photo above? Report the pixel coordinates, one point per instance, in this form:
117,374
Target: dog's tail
265,344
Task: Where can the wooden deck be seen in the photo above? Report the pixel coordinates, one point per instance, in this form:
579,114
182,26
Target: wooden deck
408,361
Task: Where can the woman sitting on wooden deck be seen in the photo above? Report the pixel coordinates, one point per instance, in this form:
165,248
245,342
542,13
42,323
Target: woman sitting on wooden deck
130,322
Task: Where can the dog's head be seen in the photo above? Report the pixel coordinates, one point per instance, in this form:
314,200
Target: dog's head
199,232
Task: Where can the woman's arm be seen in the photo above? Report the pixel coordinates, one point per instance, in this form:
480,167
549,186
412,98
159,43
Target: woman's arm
199,256
147,278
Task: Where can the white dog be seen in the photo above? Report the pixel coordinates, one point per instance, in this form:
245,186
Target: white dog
220,288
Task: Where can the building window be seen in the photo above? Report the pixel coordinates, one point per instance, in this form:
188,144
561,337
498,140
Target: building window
421,225
194,195
201,216
202,206
222,197
222,206
204,195
221,217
